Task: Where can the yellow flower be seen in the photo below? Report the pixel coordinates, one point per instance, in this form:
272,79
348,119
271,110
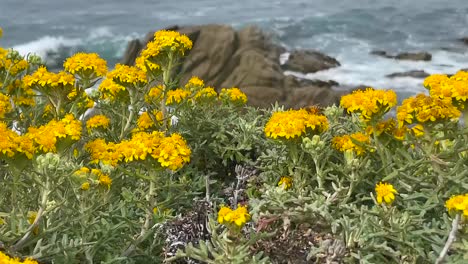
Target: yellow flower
154,94
143,64
176,96
294,123
285,182
85,186
97,121
434,80
206,93
387,127
194,82
426,109
101,151
47,136
110,89
127,75
222,213
385,192
240,216
42,79
173,152
166,42
32,215
145,121
5,259
369,103
458,203
355,142
234,95
233,218
105,180
12,62
86,65
11,143
5,105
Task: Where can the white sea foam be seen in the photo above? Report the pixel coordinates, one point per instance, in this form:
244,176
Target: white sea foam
45,44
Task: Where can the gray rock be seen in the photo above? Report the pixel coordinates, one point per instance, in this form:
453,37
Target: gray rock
415,74
249,59
309,61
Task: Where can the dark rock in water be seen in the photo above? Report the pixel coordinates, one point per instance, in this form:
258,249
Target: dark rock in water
381,53
424,56
415,74
464,40
309,61
416,56
249,59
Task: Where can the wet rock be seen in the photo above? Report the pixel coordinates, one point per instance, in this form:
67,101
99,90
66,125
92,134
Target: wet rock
415,74
309,61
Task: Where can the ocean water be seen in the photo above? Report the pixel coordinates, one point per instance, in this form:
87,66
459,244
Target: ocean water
347,30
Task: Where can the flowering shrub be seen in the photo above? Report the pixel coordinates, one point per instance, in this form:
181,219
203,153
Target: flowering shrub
129,166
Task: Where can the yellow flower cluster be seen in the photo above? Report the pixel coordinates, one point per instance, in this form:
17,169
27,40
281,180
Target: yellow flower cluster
423,109
234,95
21,95
97,121
96,175
237,217
285,182
5,259
194,82
458,204
46,136
355,142
154,94
127,75
455,87
144,64
88,65
176,96
63,81
369,103
294,123
13,65
5,105
385,193
11,143
171,152
206,93
110,89
145,121
166,41
388,127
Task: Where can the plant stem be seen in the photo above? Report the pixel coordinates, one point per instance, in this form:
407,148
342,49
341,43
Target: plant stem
130,116
450,239
44,197
146,226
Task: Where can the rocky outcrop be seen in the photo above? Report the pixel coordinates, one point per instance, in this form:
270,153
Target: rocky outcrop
414,74
415,56
309,61
249,59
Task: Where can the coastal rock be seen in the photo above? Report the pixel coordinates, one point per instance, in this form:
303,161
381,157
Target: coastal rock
416,56
464,40
249,59
312,95
309,61
415,74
